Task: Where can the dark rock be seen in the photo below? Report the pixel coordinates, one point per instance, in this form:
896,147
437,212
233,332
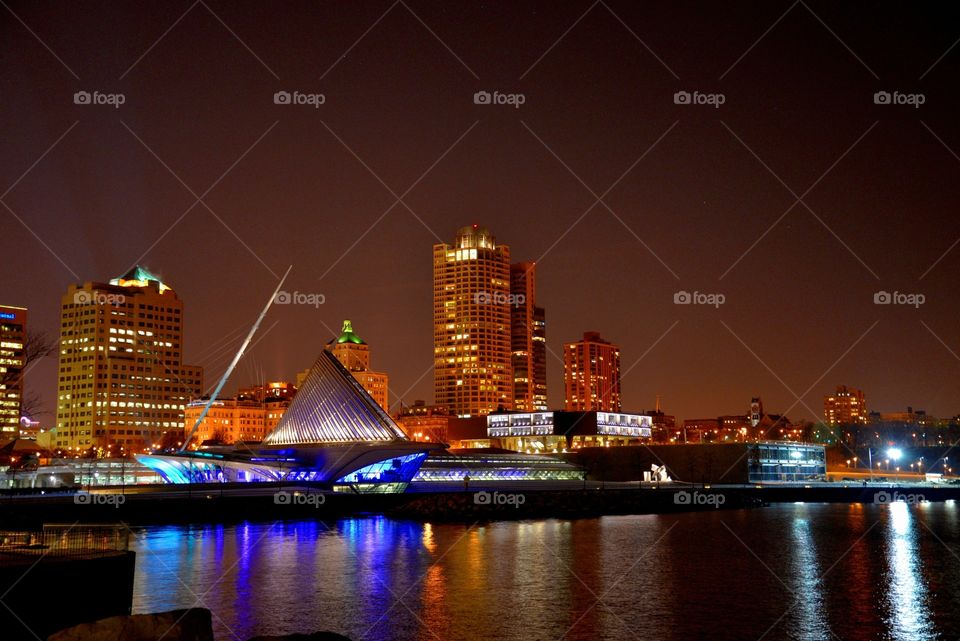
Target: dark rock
316,636
177,625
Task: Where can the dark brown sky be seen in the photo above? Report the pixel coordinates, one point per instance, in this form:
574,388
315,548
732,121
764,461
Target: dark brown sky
798,82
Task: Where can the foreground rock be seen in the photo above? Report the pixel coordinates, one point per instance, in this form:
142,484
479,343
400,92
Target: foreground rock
316,636
177,625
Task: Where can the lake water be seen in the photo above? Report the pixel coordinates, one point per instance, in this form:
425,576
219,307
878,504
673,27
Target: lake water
797,571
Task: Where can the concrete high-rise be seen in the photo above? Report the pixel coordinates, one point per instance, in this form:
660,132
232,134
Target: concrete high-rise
13,345
122,381
539,359
473,369
527,340
354,354
846,406
591,374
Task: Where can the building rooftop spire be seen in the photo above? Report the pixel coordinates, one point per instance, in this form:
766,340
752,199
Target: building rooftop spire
138,276
347,335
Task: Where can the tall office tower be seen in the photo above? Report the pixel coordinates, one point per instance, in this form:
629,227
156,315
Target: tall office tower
527,340
122,381
846,406
472,370
13,342
591,373
539,359
354,354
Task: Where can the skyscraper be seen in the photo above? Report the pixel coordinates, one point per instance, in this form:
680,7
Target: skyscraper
539,358
527,340
122,381
472,335
591,374
13,341
354,354
846,406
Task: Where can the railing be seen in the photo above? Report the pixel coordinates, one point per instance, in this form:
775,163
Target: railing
60,541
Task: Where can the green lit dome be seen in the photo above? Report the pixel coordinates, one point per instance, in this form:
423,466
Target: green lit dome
138,277
347,335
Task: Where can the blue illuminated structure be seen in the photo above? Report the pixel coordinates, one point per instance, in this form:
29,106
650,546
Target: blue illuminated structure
332,433
335,434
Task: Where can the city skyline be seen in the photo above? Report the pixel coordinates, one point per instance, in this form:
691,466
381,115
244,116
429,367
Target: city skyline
798,199
396,403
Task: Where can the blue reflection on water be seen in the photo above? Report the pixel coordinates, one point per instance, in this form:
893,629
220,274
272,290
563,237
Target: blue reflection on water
378,578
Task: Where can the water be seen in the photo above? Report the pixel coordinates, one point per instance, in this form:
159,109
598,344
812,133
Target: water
801,571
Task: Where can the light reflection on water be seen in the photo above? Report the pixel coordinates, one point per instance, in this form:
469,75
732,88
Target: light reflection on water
907,594
804,572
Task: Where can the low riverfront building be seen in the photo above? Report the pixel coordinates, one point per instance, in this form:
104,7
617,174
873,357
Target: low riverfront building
762,462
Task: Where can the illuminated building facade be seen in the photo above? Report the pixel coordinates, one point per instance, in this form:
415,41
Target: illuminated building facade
253,414
122,382
354,354
472,324
847,406
528,340
13,340
559,431
424,422
333,432
336,435
591,373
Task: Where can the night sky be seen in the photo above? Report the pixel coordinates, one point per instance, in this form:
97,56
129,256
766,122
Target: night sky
704,205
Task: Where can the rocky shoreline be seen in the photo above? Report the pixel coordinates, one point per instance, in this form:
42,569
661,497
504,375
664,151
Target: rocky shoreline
194,624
